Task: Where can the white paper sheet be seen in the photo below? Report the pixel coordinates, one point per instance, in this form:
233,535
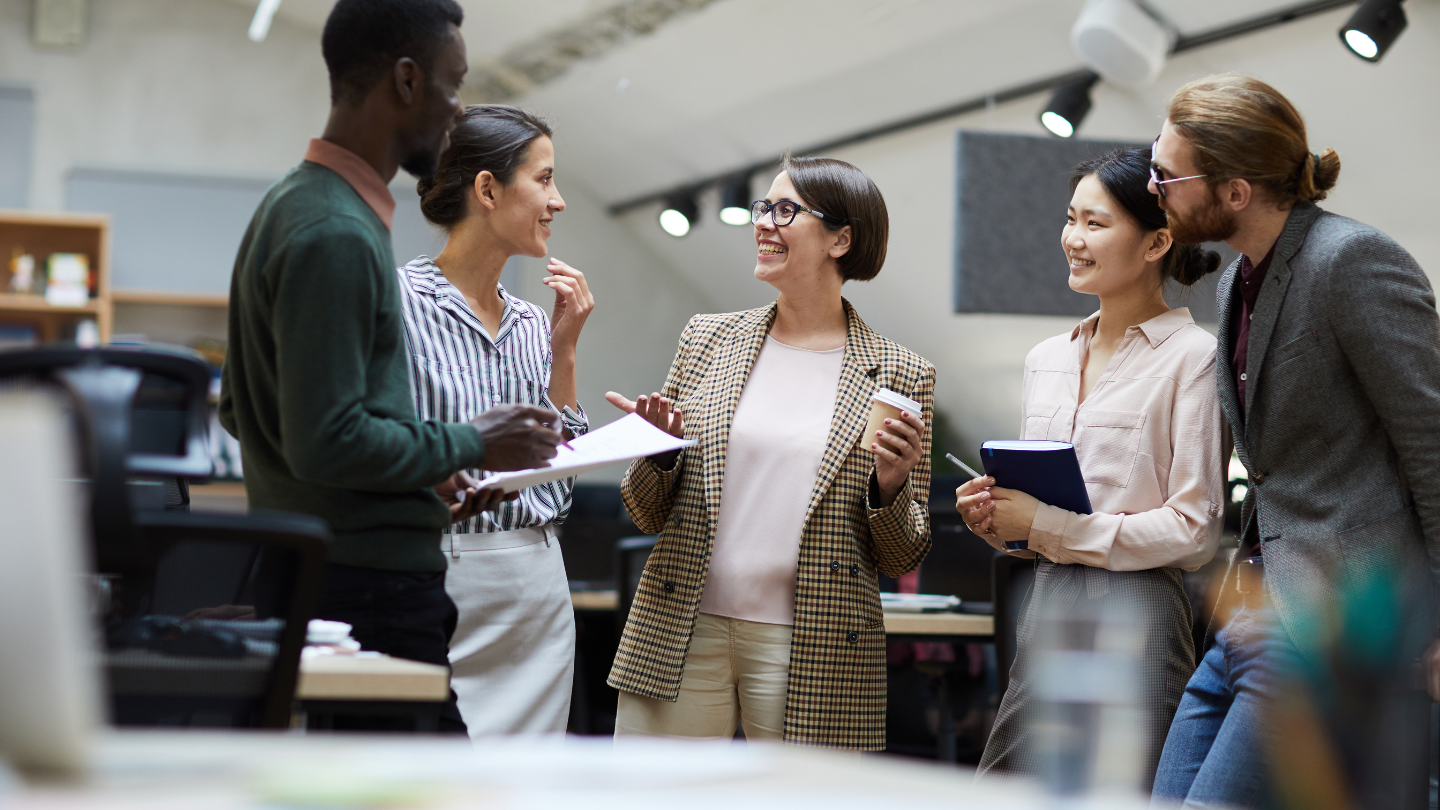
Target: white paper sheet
622,440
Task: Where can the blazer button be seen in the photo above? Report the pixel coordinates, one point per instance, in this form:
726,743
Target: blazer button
834,565
1259,478
855,570
669,587
853,636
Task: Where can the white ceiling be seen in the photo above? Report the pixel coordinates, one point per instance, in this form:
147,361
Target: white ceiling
740,81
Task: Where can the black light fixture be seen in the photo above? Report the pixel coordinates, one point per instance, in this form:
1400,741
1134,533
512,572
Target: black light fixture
679,214
1068,107
1373,28
735,201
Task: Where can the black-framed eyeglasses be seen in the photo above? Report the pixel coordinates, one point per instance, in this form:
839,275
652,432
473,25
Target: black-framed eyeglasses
1157,174
783,212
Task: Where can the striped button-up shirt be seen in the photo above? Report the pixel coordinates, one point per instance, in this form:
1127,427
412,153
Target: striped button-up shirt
458,370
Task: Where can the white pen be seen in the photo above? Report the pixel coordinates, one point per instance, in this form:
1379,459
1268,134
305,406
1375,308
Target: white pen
962,465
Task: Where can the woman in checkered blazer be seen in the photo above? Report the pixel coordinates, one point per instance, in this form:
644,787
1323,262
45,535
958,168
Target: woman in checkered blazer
760,604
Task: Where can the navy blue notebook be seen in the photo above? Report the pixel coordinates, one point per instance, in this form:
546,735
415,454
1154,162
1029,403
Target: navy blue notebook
1047,471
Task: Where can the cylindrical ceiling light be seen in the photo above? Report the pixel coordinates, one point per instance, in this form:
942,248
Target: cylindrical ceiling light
1373,28
1122,41
679,214
1068,107
735,201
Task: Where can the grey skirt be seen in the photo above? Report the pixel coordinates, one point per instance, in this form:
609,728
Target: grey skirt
1167,657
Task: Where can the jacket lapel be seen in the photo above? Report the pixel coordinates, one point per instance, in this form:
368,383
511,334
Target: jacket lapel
1272,295
1228,299
859,377
733,361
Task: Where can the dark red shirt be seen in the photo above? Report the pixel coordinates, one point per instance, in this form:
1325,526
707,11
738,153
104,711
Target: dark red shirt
1251,277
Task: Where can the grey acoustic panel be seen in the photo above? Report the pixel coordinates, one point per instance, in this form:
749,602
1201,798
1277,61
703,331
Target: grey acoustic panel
171,232
1011,195
17,145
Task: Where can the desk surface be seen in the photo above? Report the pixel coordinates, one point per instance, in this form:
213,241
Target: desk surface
909,624
345,677
250,770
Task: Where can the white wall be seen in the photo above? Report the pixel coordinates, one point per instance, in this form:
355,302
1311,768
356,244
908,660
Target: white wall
1382,119
175,86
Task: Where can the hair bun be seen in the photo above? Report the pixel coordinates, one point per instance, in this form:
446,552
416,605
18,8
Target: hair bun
1193,262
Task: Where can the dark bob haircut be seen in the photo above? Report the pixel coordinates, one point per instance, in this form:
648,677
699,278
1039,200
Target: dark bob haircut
840,190
491,138
363,39
1125,176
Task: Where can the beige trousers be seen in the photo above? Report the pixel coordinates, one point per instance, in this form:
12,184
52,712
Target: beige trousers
735,672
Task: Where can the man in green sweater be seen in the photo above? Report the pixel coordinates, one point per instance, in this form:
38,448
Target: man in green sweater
316,385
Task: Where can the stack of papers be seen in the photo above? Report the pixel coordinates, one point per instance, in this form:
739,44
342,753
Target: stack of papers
625,439
917,602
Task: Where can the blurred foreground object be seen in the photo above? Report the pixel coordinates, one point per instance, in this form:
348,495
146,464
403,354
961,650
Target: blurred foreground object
49,692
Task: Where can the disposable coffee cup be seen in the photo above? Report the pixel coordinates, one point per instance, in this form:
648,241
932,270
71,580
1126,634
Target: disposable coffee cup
885,404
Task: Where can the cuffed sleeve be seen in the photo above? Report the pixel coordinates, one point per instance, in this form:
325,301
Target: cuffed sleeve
900,532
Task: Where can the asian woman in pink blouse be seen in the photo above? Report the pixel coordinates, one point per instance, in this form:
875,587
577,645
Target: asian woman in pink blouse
1133,388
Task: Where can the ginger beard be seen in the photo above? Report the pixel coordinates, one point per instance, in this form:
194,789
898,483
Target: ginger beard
1213,222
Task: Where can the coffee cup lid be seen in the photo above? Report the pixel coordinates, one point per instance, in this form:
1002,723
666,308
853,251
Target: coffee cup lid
895,400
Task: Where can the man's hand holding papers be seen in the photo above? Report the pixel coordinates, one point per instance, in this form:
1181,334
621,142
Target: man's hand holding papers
625,439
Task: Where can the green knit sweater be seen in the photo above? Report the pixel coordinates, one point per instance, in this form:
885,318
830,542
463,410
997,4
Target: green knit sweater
316,384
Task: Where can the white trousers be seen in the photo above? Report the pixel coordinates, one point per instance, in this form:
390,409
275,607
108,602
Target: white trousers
734,671
512,657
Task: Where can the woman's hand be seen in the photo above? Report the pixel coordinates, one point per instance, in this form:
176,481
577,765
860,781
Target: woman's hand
977,509
897,451
573,304
463,496
1011,516
656,410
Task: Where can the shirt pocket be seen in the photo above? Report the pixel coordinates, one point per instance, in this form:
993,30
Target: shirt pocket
1038,417
521,391
1107,444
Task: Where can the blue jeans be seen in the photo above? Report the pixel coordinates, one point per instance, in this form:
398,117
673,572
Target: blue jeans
1214,753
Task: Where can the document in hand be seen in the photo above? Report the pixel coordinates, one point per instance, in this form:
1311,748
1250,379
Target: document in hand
1046,471
622,440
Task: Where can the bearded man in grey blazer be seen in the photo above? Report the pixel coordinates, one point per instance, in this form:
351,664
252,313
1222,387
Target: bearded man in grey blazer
1329,379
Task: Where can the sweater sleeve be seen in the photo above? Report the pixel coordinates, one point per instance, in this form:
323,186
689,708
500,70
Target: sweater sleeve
327,297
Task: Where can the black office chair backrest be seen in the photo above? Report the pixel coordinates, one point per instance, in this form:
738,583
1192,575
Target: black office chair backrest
631,554
139,412
959,562
1012,579
212,635
596,520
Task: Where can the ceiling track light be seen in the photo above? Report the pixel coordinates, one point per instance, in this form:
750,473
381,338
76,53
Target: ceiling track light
679,214
1373,28
735,201
264,15
1068,107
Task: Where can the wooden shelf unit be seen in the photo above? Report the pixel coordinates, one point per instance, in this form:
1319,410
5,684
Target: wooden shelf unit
41,234
178,299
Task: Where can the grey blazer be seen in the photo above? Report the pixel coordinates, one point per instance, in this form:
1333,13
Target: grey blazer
1341,433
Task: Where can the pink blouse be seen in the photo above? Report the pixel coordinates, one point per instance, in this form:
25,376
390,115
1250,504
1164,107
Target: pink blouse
1149,441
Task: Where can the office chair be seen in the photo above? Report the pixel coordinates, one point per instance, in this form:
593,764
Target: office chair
217,636
207,613
139,412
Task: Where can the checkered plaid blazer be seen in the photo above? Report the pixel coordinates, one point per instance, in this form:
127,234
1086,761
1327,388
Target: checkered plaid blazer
837,658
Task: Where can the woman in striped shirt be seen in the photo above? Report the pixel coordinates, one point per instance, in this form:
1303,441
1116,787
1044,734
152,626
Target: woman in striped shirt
472,347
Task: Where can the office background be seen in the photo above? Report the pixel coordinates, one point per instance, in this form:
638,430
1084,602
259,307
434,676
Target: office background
172,91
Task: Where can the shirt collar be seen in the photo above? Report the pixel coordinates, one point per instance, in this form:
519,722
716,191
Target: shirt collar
360,175
1156,330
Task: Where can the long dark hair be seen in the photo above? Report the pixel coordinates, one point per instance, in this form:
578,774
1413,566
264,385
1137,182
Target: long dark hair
1125,175
491,138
